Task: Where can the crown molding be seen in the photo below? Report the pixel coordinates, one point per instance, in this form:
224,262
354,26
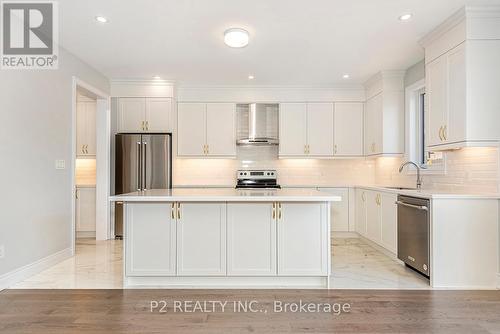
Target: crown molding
145,82
383,75
274,87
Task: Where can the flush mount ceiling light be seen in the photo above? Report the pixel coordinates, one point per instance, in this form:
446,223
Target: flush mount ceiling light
405,17
251,77
156,77
346,76
236,37
101,19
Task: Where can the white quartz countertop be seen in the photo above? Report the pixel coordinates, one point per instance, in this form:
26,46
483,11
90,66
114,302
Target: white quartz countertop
433,194
227,195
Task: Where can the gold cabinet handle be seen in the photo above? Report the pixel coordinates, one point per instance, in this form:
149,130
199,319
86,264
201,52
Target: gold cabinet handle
441,133
77,194
179,211
305,149
377,199
86,149
208,149
335,149
363,196
147,125
444,133
172,211
279,211
274,210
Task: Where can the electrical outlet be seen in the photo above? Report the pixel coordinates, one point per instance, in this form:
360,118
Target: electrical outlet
60,164
2,251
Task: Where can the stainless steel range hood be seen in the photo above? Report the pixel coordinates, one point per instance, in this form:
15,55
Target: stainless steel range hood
257,124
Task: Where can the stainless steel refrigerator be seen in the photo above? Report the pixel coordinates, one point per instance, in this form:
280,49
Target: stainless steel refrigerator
142,162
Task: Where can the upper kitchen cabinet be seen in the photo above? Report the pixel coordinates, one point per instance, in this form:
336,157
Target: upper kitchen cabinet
348,129
462,58
85,128
138,114
206,130
384,118
306,130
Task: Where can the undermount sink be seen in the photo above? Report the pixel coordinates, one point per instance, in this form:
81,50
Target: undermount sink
401,188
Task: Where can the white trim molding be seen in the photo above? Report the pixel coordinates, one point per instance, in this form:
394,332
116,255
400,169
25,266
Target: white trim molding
11,278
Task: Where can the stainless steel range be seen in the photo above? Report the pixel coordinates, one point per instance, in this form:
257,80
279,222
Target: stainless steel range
257,179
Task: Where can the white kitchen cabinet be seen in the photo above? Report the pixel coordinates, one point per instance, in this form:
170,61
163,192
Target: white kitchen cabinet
293,129
131,114
251,239
360,211
159,114
150,238
348,129
320,129
201,239
384,115
139,114
221,129
462,80
302,239
339,211
206,130
389,222
306,129
85,128
85,210
437,100
373,216
191,129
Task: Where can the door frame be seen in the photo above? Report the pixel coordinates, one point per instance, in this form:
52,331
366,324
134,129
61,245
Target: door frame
103,155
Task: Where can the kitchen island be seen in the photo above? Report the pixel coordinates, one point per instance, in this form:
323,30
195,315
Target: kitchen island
227,238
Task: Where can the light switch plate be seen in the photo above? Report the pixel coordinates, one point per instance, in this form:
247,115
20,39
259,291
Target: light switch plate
60,164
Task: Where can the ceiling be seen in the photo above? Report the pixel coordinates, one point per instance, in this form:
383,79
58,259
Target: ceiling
292,42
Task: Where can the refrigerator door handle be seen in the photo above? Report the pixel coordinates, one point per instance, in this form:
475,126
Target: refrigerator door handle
139,174
144,152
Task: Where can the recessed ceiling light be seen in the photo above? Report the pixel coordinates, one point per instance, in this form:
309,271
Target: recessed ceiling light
251,77
236,37
346,76
101,19
156,77
405,17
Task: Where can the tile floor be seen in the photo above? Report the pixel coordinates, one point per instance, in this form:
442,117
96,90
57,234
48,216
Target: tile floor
99,265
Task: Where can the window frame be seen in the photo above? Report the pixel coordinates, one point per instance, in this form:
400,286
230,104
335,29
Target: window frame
415,128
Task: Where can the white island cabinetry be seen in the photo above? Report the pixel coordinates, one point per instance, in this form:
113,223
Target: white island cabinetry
227,238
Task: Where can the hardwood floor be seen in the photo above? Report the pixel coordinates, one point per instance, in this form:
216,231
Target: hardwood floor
128,311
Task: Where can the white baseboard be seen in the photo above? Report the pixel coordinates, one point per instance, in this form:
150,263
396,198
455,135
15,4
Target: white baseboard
11,278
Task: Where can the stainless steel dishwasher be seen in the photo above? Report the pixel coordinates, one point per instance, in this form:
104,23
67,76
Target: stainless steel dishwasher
413,233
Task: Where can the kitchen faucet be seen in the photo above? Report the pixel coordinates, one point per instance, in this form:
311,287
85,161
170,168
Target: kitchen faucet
419,168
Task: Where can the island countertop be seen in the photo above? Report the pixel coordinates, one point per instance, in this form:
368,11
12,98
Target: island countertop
227,195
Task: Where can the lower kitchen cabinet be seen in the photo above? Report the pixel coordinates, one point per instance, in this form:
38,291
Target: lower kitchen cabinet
376,217
302,231
339,211
85,211
251,234
360,211
373,216
150,239
201,239
389,218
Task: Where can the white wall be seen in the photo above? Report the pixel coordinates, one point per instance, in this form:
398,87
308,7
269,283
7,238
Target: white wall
35,130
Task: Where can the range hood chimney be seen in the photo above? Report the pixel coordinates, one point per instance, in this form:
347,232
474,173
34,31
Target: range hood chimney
257,124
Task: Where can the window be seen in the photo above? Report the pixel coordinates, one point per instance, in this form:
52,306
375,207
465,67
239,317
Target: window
416,115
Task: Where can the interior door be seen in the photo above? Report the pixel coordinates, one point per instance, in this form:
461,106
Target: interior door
158,114
348,129
131,114
156,160
320,129
128,163
221,128
293,129
191,129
